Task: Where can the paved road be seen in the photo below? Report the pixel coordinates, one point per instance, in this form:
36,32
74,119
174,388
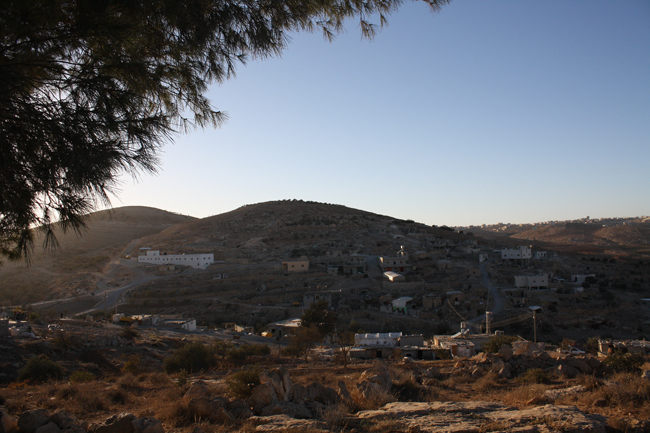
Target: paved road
496,298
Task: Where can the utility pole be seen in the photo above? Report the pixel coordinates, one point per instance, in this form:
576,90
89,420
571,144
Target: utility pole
487,322
535,325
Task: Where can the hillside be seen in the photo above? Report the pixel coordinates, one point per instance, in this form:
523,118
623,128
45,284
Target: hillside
74,266
281,229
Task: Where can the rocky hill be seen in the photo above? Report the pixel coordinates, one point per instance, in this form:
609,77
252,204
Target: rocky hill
280,229
79,260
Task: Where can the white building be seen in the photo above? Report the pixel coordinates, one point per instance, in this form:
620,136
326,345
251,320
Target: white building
399,263
581,278
196,261
390,339
532,281
394,276
516,253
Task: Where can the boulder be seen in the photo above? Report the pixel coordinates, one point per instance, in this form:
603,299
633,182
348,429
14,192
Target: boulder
147,424
554,394
473,416
50,427
262,395
294,410
31,420
280,380
284,423
506,352
320,393
298,394
379,375
200,407
240,409
197,389
222,416
7,422
122,423
580,365
343,391
565,371
64,420
368,389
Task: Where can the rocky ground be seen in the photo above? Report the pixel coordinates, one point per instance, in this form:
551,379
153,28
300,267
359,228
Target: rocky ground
114,382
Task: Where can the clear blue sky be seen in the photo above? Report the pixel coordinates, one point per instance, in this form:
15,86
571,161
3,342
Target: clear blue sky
489,111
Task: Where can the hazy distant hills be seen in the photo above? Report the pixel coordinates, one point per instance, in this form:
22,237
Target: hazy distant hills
613,236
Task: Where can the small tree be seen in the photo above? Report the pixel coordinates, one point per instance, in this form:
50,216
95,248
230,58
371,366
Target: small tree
495,343
345,341
192,357
320,315
301,343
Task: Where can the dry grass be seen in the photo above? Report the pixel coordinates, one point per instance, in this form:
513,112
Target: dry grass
524,394
487,382
624,393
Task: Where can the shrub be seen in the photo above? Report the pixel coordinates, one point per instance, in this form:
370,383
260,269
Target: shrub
242,352
81,376
129,334
625,362
132,365
193,357
534,375
241,384
40,369
494,344
117,396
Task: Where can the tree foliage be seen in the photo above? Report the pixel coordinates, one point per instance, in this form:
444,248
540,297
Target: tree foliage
319,315
90,89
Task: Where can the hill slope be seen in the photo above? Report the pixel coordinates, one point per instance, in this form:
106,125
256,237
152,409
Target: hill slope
73,267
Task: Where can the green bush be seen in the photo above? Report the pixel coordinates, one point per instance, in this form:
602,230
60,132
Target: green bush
241,384
534,375
494,344
81,376
193,357
625,362
242,352
40,369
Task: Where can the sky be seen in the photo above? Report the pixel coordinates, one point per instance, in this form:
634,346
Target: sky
488,111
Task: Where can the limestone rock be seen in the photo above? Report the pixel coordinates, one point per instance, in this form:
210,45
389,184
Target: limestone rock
580,365
379,375
239,409
456,417
322,394
200,407
565,371
506,352
280,380
554,394
147,425
197,389
284,423
288,408
122,423
64,420
50,427
262,395
343,391
7,422
31,420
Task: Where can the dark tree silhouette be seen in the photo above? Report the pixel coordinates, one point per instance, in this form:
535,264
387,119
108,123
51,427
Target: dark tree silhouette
90,89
